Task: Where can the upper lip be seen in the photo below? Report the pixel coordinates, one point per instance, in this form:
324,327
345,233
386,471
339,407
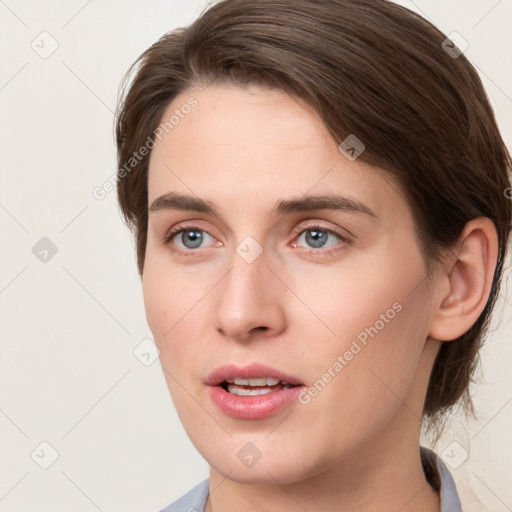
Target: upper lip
250,371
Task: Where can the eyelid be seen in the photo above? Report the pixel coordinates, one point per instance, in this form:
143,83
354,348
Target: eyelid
343,233
331,250
186,226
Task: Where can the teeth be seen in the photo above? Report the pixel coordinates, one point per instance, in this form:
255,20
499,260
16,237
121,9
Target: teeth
261,381
253,387
235,390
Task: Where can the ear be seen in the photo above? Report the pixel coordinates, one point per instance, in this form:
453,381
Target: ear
465,281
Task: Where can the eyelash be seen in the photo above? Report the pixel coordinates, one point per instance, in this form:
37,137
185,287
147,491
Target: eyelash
313,226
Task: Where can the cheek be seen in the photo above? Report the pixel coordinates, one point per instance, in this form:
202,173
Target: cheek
164,303
174,311
166,296
355,299
175,308
378,324
157,301
359,389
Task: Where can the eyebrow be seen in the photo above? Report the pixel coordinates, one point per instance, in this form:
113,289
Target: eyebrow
176,201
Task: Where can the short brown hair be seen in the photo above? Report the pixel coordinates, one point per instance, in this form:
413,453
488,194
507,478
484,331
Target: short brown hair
369,68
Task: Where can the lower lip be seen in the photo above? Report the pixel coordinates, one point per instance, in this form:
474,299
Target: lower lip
253,407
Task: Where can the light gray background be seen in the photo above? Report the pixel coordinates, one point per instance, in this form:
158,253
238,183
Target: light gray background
69,326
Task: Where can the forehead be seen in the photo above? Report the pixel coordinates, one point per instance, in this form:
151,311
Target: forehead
239,143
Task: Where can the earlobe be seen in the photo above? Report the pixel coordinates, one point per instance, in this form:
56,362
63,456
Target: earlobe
468,277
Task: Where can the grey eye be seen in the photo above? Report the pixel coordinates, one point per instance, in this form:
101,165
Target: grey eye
191,238
317,238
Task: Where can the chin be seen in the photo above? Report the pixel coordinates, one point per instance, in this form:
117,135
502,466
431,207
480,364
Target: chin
252,459
262,473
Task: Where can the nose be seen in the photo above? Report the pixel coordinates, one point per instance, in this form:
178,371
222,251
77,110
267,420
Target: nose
250,301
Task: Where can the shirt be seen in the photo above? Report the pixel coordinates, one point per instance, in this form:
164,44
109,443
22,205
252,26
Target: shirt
436,472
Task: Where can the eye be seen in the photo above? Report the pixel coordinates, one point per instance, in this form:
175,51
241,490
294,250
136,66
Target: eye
319,237
316,237
190,238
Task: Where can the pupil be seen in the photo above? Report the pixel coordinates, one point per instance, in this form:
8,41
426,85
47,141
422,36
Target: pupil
317,237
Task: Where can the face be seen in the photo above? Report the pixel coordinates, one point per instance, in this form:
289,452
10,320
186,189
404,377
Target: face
252,278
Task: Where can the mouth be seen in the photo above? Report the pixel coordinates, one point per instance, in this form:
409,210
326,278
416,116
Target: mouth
254,391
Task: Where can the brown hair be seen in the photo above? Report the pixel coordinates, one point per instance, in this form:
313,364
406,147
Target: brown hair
369,68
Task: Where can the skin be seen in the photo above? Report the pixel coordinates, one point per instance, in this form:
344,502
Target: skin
354,446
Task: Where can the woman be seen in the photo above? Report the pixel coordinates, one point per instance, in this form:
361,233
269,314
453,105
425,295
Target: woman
317,194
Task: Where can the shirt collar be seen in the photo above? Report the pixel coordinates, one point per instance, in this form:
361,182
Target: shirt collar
440,478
